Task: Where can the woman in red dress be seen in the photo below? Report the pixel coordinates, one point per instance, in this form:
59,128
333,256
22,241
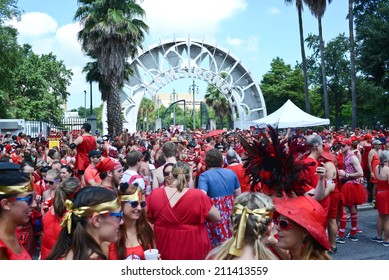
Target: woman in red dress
16,202
179,214
51,220
382,199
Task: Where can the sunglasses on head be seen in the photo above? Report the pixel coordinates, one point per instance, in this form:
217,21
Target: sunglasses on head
117,215
283,224
51,182
29,199
134,204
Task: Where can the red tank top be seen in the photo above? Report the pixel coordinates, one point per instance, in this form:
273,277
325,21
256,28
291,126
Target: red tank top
24,255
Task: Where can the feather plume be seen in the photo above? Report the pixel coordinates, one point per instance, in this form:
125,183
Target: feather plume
276,162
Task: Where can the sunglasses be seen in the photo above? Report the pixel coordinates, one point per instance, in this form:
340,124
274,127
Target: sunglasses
51,182
283,224
166,173
134,204
29,199
117,215
96,157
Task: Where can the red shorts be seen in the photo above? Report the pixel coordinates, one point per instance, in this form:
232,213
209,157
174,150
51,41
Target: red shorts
334,204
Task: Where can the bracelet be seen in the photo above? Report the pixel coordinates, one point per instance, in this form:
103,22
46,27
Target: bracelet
347,175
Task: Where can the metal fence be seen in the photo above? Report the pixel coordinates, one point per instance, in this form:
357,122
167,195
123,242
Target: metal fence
40,128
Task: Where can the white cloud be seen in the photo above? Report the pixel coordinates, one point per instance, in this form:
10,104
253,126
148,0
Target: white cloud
249,44
201,18
35,24
274,11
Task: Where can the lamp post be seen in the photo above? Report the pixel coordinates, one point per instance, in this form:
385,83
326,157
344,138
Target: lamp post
174,100
85,103
158,104
90,90
193,87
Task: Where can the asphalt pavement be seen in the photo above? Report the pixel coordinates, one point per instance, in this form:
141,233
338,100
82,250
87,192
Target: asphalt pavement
363,249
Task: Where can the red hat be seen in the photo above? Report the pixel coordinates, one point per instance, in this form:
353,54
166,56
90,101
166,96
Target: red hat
306,212
368,136
108,164
327,154
346,141
353,138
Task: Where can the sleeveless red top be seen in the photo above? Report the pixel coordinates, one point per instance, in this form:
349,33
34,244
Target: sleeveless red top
24,255
88,144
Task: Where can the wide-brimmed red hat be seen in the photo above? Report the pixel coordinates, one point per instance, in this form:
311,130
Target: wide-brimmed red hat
306,212
327,154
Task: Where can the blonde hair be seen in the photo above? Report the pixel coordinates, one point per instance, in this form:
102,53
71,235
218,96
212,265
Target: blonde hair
313,250
256,226
181,172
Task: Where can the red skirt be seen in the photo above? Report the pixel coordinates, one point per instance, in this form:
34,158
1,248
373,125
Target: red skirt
382,202
353,194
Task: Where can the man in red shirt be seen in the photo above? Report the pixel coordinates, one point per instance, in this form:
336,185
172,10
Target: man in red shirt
240,171
91,175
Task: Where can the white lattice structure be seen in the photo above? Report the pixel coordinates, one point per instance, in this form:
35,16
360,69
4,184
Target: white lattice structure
169,61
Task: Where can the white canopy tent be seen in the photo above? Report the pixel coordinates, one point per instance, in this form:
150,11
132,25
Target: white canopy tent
289,115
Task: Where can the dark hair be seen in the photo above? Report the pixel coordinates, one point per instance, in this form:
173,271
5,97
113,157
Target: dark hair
213,158
87,127
133,158
169,149
11,178
68,169
79,240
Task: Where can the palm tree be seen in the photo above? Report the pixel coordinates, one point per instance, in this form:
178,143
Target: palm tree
317,8
111,32
299,6
146,106
352,66
215,99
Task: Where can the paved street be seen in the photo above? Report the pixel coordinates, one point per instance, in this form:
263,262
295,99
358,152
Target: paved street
363,249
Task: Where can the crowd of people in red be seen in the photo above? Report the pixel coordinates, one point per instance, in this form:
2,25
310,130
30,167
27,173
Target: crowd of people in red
239,194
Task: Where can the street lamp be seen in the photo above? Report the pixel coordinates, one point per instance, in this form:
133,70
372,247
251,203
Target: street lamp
85,104
174,100
90,90
158,104
193,87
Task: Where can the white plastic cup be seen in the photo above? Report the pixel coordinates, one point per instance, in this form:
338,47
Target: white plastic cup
151,254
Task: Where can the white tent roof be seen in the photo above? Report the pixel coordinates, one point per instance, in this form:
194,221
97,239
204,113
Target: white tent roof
289,115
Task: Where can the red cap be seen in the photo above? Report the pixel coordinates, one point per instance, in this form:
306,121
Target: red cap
108,164
368,136
346,141
306,212
327,154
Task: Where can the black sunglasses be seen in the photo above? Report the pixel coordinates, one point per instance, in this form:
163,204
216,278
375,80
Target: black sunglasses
166,173
29,199
283,224
134,204
51,182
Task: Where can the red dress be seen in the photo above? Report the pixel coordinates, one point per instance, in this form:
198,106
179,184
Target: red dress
382,197
88,144
51,231
24,255
375,161
180,232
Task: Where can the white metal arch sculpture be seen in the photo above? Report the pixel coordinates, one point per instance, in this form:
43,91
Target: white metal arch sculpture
169,61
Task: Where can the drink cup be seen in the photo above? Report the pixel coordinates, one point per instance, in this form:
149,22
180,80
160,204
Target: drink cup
151,254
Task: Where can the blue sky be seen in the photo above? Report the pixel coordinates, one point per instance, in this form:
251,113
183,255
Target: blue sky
255,31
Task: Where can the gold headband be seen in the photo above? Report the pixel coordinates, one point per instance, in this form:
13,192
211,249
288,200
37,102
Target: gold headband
27,187
136,196
237,245
86,211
